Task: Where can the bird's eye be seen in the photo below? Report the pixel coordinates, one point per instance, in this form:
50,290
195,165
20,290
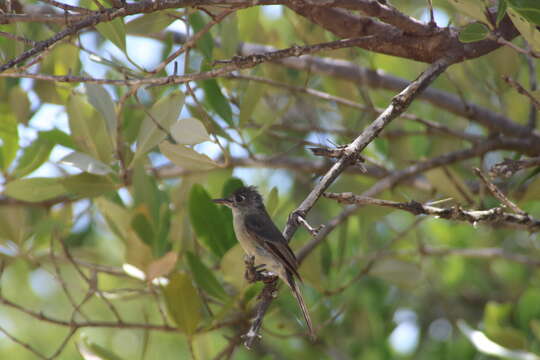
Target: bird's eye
240,198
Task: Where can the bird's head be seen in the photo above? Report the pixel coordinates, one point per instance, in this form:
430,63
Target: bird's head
244,198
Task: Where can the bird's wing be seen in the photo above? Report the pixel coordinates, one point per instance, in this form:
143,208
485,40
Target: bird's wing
263,230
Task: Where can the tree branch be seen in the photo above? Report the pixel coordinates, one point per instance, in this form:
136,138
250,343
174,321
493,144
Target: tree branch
493,217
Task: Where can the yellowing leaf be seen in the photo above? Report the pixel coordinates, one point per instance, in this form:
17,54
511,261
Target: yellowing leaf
186,158
161,266
183,302
526,29
138,253
232,267
472,8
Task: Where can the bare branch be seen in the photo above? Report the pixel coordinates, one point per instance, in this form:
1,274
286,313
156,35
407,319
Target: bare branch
498,193
494,217
398,105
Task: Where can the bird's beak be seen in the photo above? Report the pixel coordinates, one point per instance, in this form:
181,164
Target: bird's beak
225,202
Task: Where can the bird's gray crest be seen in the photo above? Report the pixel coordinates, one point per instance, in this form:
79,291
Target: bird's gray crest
248,192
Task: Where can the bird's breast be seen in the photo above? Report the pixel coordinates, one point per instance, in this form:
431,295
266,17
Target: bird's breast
252,247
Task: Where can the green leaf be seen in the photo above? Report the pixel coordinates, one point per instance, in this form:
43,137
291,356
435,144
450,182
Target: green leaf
183,302
92,351
186,157
150,23
326,258
20,105
528,307
529,9
495,315
59,137
102,102
165,112
35,189
86,163
204,277
9,135
87,185
272,201
143,227
229,43
189,131
473,32
146,192
216,100
472,8
501,11
117,217
209,222
402,273
88,130
114,31
33,156
525,28
47,92
138,254
252,95
230,186
205,44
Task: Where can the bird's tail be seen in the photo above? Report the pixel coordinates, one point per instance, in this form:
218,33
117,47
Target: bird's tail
298,295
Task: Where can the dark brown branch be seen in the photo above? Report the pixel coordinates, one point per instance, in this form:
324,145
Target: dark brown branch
493,217
396,41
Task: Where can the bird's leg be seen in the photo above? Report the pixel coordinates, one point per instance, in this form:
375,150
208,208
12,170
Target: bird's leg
254,273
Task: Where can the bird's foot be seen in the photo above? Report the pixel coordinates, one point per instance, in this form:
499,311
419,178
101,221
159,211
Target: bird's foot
254,273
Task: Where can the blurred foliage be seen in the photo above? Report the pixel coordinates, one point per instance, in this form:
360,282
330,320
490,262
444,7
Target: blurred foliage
125,182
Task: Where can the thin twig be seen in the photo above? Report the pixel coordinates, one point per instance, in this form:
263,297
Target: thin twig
498,193
520,89
193,40
64,343
22,343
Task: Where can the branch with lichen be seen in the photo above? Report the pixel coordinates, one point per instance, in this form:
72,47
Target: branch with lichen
493,217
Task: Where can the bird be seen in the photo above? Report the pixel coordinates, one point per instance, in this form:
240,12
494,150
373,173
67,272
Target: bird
264,243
